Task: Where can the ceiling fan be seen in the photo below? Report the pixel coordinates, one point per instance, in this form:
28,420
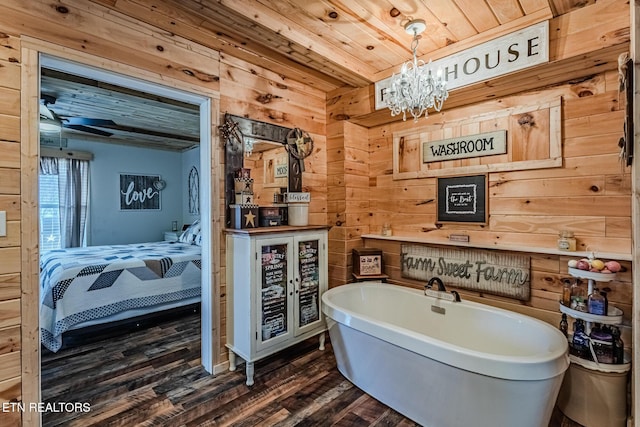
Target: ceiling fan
51,122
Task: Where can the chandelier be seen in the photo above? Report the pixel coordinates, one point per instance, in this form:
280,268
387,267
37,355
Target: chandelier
416,88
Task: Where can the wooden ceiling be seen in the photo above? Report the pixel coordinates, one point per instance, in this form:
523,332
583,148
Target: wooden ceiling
328,44
139,118
334,43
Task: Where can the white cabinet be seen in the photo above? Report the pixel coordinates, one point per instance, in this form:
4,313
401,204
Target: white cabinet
275,280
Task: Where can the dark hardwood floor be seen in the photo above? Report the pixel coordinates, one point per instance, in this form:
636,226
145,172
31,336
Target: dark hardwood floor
153,378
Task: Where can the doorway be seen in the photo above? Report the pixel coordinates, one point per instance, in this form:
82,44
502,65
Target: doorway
83,65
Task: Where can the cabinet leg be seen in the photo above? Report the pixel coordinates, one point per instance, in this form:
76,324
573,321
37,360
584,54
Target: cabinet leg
322,341
249,373
232,361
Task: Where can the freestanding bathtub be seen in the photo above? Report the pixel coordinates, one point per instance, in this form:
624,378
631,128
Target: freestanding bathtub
443,363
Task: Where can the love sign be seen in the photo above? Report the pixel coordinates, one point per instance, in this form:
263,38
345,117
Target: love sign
137,192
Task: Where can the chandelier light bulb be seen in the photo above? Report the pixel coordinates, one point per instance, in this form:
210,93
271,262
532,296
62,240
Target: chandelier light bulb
415,89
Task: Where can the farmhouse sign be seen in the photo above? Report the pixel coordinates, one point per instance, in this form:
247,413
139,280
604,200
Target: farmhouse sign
479,270
503,55
484,144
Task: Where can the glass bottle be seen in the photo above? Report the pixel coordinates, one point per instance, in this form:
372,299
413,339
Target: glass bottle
602,345
596,303
564,325
618,346
577,293
566,292
581,341
606,302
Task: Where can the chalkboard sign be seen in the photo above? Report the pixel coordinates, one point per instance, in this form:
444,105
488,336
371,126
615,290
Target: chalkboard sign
309,270
274,291
462,199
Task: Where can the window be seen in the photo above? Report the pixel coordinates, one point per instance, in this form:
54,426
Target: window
49,212
64,202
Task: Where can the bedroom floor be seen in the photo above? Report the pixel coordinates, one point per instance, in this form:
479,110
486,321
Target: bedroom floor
153,378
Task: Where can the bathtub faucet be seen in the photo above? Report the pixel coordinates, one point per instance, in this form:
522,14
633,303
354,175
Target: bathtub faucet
441,292
438,281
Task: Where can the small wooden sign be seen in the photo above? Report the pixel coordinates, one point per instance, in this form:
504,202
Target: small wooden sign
281,171
485,271
367,261
293,197
462,199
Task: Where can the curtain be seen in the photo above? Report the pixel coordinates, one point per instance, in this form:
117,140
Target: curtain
73,197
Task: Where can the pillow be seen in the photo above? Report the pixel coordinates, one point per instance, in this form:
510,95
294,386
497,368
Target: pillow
191,234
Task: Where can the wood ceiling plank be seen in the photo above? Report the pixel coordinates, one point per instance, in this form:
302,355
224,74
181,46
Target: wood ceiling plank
224,23
531,6
451,18
436,35
478,13
583,18
378,14
565,6
353,29
505,10
99,31
167,16
271,19
75,99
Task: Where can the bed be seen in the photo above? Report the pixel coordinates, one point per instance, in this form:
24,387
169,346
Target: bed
88,286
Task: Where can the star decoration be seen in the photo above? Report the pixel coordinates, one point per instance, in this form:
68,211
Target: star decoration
250,219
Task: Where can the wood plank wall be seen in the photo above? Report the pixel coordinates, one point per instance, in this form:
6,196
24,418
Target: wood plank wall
591,127
589,194
10,343
349,195
121,44
259,94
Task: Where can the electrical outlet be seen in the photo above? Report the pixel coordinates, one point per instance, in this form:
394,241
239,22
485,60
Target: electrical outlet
3,223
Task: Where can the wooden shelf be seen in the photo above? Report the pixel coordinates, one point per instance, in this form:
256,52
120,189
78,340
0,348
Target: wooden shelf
513,248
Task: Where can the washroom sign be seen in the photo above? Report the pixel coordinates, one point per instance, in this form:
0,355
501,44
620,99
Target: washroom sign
490,272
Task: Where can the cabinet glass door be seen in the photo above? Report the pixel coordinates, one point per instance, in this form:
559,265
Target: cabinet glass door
308,280
275,289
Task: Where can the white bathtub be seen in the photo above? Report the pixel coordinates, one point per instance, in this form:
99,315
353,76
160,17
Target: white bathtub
474,365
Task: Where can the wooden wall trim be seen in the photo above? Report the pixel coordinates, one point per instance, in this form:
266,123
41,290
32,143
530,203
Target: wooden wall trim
29,196
418,135
635,209
29,101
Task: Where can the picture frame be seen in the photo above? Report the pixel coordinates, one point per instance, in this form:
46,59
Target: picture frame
139,192
462,200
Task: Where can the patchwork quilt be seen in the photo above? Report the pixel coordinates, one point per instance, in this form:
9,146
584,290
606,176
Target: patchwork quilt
81,284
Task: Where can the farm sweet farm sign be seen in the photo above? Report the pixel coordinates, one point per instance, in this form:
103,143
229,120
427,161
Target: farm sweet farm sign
475,269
